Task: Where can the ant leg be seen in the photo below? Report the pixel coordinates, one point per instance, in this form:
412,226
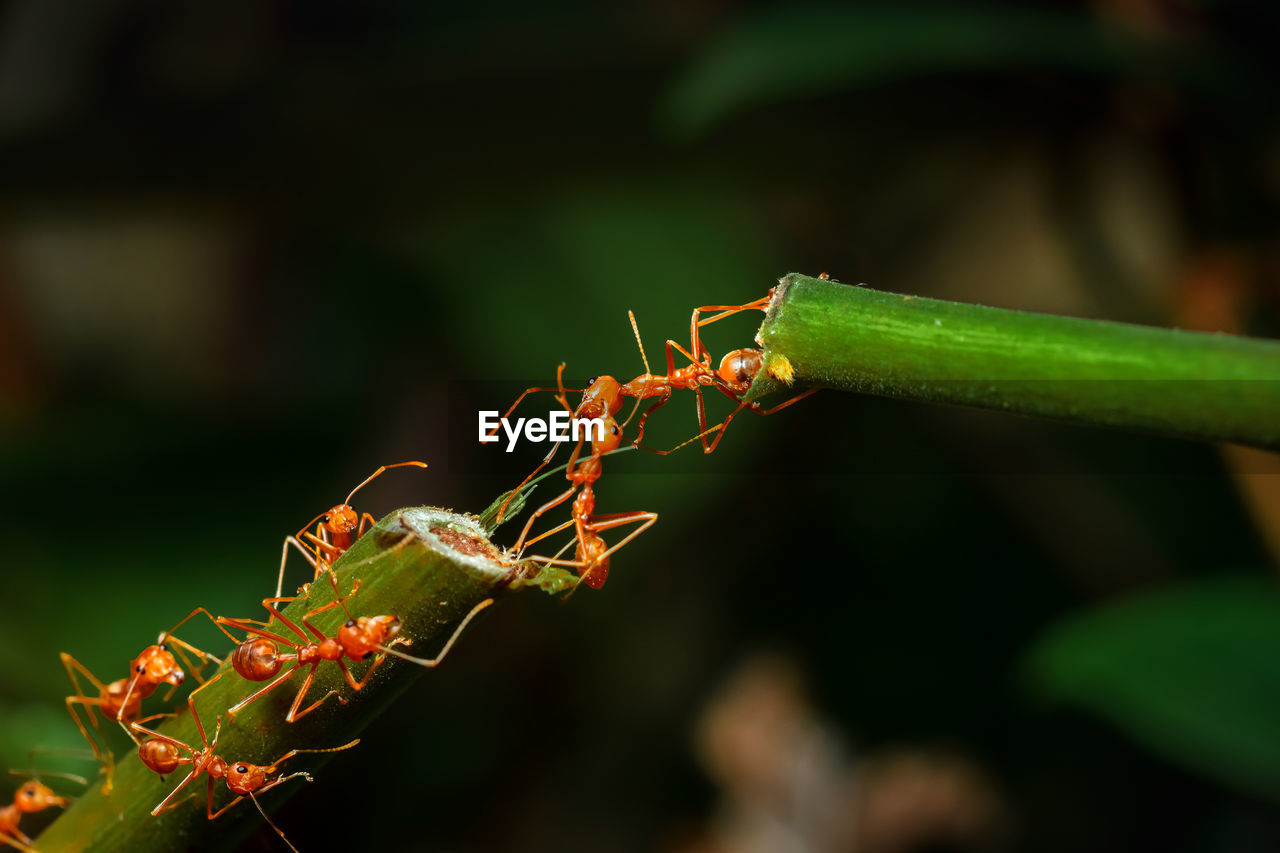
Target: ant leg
271,685
351,679
284,558
796,399
552,532
562,394
545,508
365,518
593,576
761,304
325,551
681,444
191,697
294,714
166,804
289,623
151,733
662,401
755,409
74,666
320,635
252,626
17,840
209,807
457,632
560,389
101,752
555,448
724,425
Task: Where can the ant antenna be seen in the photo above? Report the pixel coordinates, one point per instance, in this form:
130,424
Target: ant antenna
32,772
457,632
374,476
271,823
45,774
291,753
643,357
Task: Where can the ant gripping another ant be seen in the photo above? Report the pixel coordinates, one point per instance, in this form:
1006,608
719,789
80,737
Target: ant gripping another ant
261,655
121,700
604,395
591,557
336,529
164,755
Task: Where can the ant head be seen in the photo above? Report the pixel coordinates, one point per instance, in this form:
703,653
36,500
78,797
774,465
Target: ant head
160,755
257,659
740,367
361,636
244,778
342,519
602,398
611,439
158,665
34,796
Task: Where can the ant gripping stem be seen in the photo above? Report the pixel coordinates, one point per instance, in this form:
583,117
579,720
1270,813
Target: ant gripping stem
273,657
121,700
591,557
164,754
337,528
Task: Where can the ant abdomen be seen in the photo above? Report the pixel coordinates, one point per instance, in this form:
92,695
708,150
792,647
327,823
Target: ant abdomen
160,755
257,659
739,367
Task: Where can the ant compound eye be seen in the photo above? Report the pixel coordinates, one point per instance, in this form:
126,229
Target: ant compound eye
140,667
240,768
592,380
351,623
615,430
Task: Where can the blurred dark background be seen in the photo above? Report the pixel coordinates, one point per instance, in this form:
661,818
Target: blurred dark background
249,251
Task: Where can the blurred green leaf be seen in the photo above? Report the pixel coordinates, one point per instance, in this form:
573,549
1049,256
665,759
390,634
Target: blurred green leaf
1189,671
787,53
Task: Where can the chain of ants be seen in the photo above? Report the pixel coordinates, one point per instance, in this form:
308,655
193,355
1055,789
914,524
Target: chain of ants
273,654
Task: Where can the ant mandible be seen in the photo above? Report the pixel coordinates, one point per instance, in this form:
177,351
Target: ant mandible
591,556
121,700
259,656
336,529
164,754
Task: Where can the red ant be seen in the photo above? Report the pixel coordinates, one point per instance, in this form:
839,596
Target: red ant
33,796
604,396
121,700
164,754
591,557
338,527
259,657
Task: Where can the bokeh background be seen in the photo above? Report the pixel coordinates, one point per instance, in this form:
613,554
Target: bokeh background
250,250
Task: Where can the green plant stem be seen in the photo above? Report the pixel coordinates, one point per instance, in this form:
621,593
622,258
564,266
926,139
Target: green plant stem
430,567
1189,384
